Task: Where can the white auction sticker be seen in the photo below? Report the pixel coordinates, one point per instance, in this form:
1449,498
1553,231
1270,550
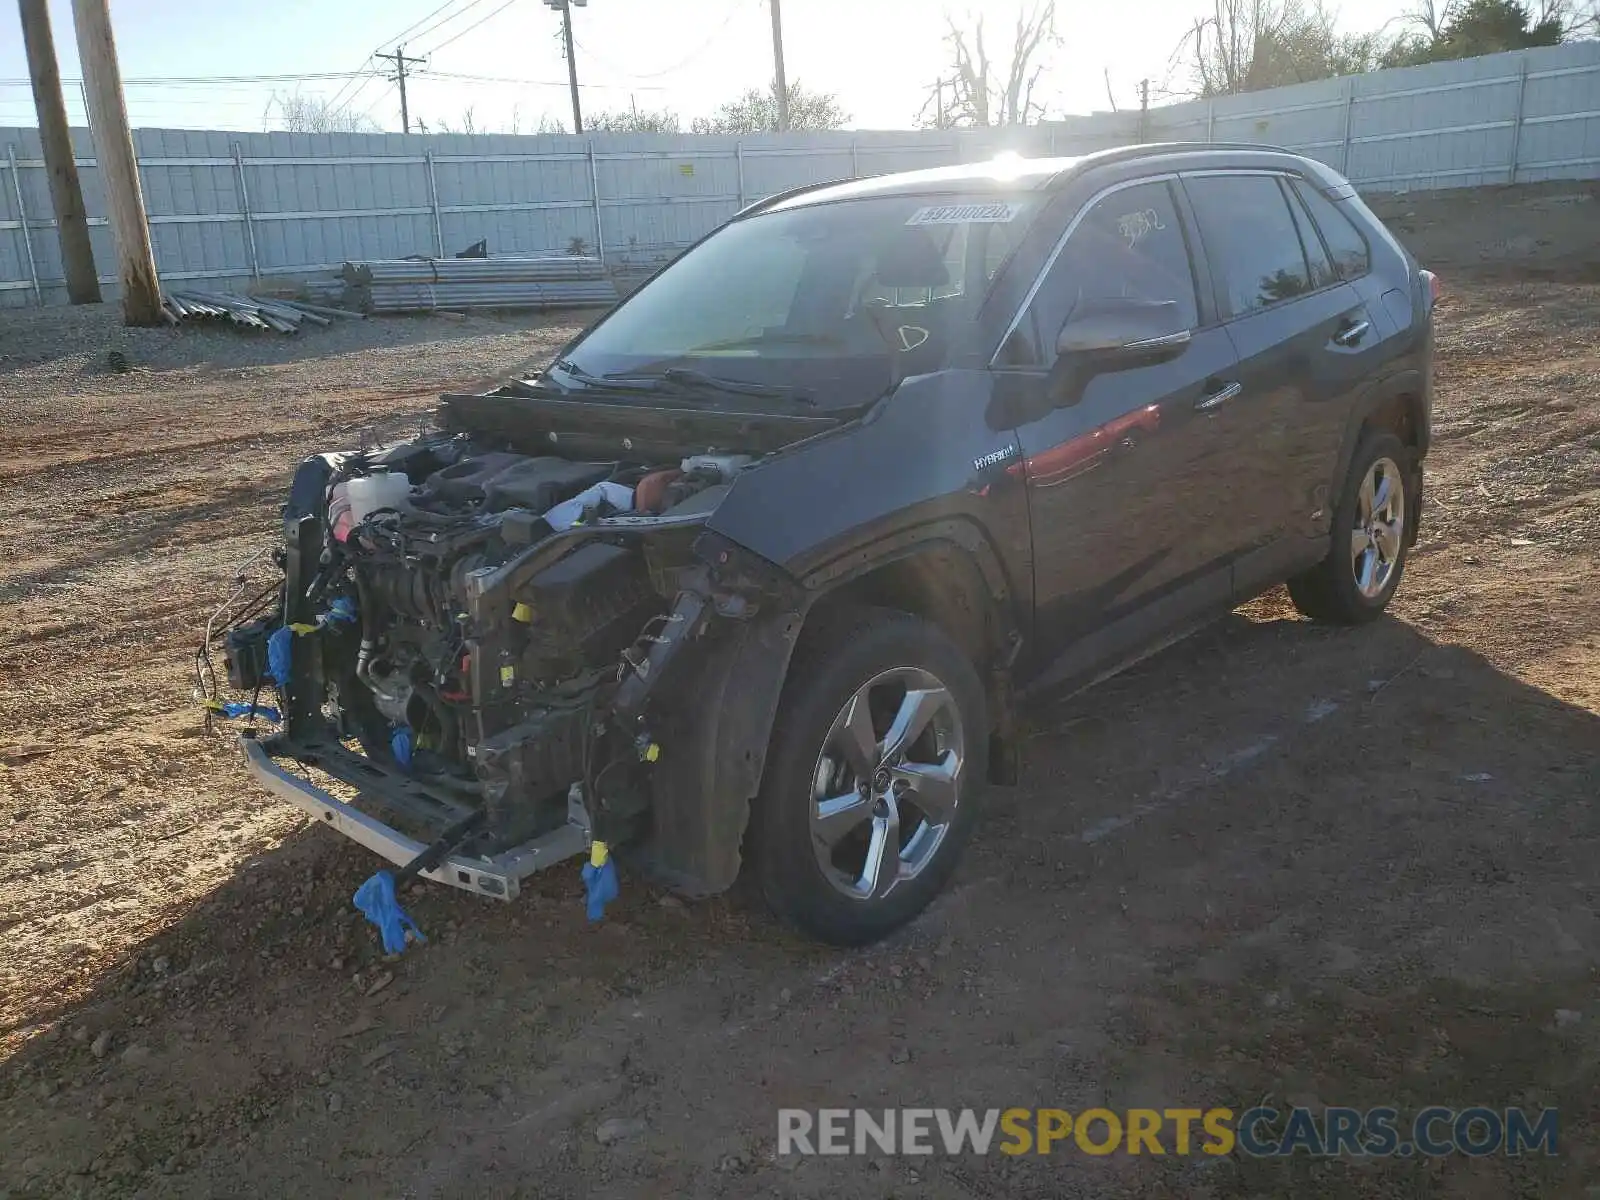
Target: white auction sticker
961,214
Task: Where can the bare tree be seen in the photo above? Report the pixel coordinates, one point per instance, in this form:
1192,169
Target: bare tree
1430,15
545,124
1469,28
467,124
298,113
985,93
757,112
633,120
1250,45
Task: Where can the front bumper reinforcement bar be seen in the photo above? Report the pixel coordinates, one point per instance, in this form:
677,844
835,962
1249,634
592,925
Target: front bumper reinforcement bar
498,877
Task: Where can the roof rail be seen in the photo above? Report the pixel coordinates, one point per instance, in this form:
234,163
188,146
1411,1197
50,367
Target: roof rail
1140,150
766,202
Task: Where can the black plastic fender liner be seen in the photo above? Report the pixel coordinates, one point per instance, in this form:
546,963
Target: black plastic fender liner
1416,387
714,729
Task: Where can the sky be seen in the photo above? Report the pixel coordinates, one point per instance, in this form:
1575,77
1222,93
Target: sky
880,57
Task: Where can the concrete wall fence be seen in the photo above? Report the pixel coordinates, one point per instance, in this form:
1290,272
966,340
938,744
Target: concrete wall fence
233,208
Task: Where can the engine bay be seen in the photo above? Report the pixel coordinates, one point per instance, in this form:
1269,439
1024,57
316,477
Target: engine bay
485,623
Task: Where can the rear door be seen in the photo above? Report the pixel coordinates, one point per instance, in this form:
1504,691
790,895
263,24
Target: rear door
1305,338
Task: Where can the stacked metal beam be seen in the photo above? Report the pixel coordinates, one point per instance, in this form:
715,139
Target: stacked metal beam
282,316
427,284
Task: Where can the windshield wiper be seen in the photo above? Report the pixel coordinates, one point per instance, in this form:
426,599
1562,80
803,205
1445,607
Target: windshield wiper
769,339
689,377
684,380
616,383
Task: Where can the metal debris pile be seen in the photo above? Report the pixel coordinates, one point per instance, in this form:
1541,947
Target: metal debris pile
282,316
429,284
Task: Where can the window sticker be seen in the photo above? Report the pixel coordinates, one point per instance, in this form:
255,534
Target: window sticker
999,213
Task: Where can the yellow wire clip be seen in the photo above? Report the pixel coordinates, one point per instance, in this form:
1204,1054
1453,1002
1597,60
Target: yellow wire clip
598,853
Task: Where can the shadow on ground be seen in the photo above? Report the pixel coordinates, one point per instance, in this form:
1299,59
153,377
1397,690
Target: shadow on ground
1328,867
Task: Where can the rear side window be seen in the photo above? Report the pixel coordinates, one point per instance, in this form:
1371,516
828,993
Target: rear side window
1251,240
1322,271
1129,245
1351,257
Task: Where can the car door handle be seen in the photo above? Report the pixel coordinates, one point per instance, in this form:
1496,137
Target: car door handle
1351,332
1218,397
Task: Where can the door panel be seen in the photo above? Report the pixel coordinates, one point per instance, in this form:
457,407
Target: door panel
1115,477
1114,485
1301,365
1304,340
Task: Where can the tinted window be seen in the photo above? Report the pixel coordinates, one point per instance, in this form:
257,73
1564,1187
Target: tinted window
1345,243
839,298
1250,238
1322,272
1129,245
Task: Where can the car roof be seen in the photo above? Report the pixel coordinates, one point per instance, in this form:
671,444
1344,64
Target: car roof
1012,173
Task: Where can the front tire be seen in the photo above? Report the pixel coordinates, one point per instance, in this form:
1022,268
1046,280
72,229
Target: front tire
1369,538
872,781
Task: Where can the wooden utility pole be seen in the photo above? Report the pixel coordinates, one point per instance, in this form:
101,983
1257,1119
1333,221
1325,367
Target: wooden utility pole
1144,110
564,7
780,83
119,167
572,67
401,62
66,194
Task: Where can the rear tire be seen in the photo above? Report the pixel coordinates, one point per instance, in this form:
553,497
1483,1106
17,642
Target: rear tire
857,828
1369,538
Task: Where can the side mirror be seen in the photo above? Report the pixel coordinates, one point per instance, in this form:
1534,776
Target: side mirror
1124,333
1114,335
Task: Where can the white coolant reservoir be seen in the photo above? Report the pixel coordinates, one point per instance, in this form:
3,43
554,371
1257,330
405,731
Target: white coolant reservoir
382,489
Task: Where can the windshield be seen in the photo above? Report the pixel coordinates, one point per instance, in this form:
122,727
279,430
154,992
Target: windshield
836,302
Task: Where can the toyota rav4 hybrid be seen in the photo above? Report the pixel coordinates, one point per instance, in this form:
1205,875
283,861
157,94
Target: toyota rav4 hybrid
756,574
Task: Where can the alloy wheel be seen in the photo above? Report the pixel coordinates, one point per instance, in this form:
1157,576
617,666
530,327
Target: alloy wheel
886,784
1377,538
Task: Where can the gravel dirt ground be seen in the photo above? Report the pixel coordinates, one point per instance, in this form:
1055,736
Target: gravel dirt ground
1319,866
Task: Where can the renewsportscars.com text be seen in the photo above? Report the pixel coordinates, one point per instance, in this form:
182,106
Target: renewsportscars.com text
1260,1132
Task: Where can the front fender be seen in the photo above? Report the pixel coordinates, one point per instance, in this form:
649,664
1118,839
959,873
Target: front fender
715,728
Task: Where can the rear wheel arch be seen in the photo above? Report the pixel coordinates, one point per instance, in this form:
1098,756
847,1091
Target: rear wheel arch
1393,405
1400,413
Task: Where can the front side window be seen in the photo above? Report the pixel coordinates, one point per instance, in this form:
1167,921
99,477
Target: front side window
839,298
1129,245
1345,243
1251,241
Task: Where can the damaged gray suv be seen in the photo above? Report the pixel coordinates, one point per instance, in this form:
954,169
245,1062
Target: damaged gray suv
756,573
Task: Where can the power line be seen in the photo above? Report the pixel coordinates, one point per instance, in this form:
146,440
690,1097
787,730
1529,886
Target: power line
388,41
208,80
468,7
335,107
457,77
406,32
733,11
387,93
365,74
458,36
